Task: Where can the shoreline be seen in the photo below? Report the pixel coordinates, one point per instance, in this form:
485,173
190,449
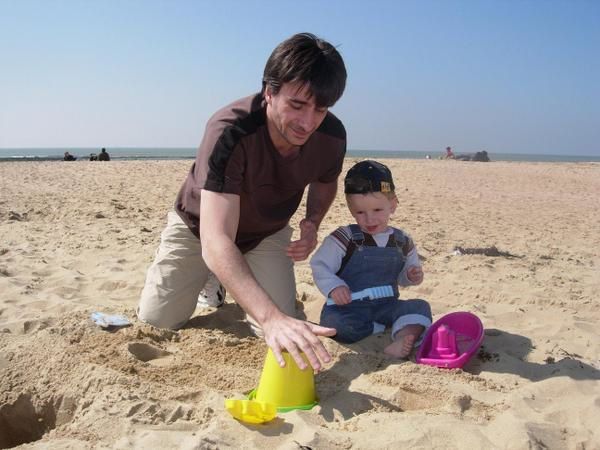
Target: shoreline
150,154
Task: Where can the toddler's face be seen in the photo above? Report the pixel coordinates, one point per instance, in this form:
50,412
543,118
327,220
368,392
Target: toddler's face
371,211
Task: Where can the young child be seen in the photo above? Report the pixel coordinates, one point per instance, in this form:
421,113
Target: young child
370,255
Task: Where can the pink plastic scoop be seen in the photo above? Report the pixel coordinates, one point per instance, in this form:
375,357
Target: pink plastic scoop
451,341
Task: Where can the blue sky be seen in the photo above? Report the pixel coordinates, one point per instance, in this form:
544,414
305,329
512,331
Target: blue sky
505,76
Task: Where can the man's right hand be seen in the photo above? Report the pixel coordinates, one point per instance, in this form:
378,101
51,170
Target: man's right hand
284,333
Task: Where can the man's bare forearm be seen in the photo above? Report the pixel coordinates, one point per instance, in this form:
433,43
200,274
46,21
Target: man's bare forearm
319,199
225,260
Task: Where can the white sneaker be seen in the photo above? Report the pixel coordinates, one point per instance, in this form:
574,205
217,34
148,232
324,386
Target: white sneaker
213,293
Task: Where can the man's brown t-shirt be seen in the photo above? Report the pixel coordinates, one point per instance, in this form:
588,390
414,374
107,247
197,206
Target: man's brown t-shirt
237,156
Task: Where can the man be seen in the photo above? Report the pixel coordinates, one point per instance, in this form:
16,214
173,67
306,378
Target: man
252,167
103,156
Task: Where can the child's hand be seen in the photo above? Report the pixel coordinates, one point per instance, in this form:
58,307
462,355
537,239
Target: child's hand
414,274
341,295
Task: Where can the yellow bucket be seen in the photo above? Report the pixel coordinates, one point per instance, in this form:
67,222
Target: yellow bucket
286,387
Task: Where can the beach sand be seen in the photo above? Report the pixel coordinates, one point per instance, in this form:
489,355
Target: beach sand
78,237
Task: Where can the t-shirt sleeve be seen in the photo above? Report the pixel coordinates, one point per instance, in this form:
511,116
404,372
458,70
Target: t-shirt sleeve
334,140
333,172
223,146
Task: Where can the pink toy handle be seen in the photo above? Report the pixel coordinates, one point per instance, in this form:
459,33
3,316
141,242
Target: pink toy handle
446,342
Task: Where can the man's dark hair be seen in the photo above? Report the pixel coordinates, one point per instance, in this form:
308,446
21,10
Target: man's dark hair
311,61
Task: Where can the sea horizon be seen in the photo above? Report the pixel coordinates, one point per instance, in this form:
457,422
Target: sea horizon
172,153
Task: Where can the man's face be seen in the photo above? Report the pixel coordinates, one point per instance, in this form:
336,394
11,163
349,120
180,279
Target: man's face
292,116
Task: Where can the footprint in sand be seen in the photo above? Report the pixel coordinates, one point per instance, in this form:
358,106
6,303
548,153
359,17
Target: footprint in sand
113,285
30,326
148,353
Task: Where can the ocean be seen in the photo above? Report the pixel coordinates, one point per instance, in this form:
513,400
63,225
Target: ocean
83,154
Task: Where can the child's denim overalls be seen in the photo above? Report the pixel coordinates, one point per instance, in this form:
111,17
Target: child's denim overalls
371,266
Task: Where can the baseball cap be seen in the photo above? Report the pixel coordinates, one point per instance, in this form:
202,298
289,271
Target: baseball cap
368,176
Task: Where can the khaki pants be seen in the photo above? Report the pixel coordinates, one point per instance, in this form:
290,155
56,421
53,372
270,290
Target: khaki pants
179,273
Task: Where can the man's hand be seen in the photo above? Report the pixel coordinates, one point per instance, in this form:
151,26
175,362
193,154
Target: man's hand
341,295
414,274
300,249
284,333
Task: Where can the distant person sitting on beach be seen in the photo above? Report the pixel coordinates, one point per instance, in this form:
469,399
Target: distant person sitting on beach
103,156
370,254
449,153
481,156
69,157
257,157
93,157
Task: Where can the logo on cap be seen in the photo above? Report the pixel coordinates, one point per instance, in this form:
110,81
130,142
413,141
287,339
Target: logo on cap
386,187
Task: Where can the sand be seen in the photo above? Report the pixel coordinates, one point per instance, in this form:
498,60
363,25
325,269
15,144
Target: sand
78,237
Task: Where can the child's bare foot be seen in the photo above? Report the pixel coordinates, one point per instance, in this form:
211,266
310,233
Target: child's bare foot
404,341
401,347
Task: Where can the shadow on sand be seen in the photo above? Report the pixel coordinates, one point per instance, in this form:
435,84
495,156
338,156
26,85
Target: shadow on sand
505,352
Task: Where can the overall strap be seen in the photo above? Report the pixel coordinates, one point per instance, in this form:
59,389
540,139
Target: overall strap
358,237
401,241
357,241
397,239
